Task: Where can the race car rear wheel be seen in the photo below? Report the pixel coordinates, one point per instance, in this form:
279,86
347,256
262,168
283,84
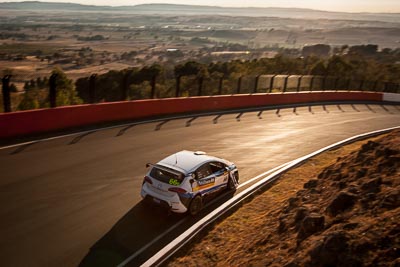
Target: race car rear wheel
196,205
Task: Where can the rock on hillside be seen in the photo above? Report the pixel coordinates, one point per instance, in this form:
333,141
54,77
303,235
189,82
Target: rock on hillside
350,214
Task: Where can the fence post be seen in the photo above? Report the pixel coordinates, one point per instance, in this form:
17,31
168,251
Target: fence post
53,90
256,84
201,79
311,83
6,93
153,85
285,82
178,86
221,82
361,85
92,88
125,86
386,90
239,85
299,83
336,83
271,83
348,84
375,86
324,83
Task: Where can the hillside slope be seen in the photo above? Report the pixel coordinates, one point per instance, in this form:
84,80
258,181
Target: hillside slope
346,212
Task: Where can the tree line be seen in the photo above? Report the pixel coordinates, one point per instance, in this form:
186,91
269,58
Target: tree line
191,77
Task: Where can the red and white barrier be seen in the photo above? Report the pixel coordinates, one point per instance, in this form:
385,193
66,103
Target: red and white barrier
24,123
391,97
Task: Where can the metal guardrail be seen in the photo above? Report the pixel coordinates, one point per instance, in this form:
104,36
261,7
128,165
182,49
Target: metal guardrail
165,253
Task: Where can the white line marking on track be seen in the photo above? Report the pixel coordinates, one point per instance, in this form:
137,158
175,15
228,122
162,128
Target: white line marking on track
151,243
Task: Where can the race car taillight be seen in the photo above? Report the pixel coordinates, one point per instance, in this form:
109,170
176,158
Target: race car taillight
147,179
177,190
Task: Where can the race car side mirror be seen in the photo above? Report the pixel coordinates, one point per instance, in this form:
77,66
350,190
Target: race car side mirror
147,165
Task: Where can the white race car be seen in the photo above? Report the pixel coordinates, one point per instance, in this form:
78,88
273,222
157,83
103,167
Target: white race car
182,181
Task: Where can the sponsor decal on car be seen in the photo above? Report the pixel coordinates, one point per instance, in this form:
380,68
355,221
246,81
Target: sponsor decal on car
204,183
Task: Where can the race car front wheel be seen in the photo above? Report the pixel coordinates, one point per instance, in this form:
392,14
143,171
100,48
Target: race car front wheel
233,181
196,205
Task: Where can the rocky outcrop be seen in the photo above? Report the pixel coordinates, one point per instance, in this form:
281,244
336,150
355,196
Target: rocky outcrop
349,214
342,202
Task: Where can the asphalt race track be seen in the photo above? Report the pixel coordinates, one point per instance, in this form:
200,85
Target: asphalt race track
76,200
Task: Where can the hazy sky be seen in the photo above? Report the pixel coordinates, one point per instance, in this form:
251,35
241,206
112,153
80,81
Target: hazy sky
331,5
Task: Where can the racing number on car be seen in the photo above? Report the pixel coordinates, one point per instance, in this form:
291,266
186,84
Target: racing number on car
174,182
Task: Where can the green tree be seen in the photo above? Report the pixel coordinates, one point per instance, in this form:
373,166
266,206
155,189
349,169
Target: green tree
26,86
338,67
32,83
150,74
13,88
319,69
39,82
66,94
320,50
28,102
364,50
187,69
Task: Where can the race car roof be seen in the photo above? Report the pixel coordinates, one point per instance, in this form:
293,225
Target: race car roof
186,161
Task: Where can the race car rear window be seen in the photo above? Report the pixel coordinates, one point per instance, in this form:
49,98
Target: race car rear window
166,176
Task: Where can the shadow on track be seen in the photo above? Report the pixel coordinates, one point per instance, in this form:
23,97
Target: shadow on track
189,122
354,108
215,120
160,125
123,130
80,137
143,224
259,115
340,108
370,109
22,148
386,109
133,231
239,116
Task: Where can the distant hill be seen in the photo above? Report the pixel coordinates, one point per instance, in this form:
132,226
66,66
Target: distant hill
172,9
37,5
